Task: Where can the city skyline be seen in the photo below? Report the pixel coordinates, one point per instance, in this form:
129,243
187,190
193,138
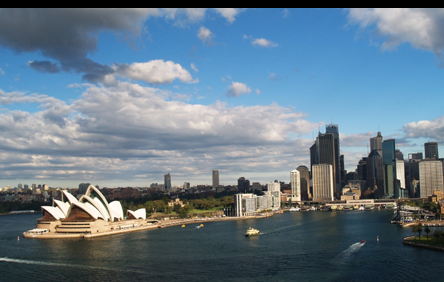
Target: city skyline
122,97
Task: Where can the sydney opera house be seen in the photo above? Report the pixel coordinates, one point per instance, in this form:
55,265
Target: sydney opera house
89,216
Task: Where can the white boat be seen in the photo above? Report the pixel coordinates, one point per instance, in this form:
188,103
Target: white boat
361,208
252,232
295,209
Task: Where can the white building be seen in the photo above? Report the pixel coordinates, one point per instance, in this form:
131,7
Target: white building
245,204
322,182
274,192
295,182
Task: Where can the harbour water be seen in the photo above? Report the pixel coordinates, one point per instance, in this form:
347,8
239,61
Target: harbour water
293,246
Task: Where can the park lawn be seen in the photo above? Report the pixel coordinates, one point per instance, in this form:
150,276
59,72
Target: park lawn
432,241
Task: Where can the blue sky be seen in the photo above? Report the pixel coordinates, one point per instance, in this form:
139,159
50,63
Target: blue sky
121,97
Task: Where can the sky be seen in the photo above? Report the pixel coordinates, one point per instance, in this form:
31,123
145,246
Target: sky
120,97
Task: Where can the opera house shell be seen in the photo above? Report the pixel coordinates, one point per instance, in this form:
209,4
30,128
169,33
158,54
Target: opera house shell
89,216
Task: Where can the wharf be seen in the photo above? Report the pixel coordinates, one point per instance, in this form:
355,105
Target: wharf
434,223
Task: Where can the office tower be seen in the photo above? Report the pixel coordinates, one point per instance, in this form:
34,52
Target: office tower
274,192
295,182
412,173
416,156
389,169
431,150
322,177
186,185
323,152
430,177
215,178
375,175
400,177
399,155
243,185
376,143
304,176
338,168
82,188
167,181
361,169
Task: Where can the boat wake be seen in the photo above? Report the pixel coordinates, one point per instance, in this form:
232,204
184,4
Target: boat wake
347,254
22,261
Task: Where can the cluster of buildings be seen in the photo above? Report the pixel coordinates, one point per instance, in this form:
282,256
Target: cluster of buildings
383,174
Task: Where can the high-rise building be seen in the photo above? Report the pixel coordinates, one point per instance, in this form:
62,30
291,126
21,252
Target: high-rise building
374,173
338,168
376,143
82,188
243,185
430,177
389,169
186,185
400,176
322,177
431,150
167,181
295,183
215,178
304,176
274,192
324,152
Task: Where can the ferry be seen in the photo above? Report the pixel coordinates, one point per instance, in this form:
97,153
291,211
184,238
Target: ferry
252,232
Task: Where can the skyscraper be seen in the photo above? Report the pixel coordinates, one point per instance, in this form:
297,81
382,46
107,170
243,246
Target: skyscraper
376,143
167,181
323,152
389,169
430,177
304,176
215,178
295,182
243,185
338,169
322,176
431,150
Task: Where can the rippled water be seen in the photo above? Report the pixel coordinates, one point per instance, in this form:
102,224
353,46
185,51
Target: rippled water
309,246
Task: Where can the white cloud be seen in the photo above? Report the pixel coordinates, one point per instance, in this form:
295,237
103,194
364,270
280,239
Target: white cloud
263,42
125,130
2,72
228,13
422,28
433,129
205,35
194,68
236,89
153,72
285,13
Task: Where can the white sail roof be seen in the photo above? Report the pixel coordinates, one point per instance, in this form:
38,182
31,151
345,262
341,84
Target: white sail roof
54,211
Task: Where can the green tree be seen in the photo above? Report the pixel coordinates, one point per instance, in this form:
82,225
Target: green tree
427,231
415,229
419,230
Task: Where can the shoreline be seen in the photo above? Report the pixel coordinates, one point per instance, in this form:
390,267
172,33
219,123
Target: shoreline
158,225
408,241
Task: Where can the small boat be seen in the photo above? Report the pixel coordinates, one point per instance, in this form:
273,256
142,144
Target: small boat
201,225
295,209
183,225
361,208
363,242
252,232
